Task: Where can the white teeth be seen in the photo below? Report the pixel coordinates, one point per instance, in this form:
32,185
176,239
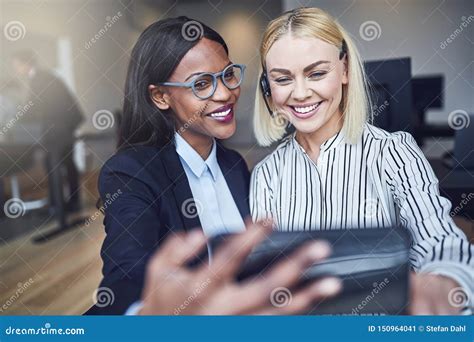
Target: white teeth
220,114
307,109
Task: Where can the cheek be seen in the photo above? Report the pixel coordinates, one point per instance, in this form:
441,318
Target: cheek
198,109
330,88
280,95
236,94
188,108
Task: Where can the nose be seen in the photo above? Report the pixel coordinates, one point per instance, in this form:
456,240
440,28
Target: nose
301,91
222,93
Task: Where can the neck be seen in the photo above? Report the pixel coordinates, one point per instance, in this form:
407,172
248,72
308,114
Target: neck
311,142
202,144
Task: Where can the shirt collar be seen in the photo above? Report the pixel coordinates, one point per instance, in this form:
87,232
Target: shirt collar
193,160
333,141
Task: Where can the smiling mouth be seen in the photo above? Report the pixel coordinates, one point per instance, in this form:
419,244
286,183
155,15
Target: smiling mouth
223,114
220,114
306,110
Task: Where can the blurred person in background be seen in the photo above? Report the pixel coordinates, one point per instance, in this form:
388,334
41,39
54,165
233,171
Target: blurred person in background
10,101
56,111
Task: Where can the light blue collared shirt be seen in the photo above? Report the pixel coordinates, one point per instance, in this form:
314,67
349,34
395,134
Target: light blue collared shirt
215,205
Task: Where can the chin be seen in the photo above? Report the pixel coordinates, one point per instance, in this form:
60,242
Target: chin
224,132
308,127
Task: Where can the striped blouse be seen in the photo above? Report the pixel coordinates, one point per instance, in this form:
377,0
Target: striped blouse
381,181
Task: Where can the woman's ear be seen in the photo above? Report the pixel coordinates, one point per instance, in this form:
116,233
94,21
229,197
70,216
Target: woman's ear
345,72
159,98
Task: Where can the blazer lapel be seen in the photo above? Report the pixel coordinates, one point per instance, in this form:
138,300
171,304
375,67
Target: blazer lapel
235,181
183,196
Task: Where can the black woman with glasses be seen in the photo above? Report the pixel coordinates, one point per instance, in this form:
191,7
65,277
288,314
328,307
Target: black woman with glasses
170,176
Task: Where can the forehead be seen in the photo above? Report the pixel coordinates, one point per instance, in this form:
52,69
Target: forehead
205,56
295,53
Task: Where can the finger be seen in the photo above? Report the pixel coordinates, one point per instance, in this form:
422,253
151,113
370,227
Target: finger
171,242
287,273
193,244
418,305
420,308
268,222
440,304
445,309
178,249
305,299
282,276
229,257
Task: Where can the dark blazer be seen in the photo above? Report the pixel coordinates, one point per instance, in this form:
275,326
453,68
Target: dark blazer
143,190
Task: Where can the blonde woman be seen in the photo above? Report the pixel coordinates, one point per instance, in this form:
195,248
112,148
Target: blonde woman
337,171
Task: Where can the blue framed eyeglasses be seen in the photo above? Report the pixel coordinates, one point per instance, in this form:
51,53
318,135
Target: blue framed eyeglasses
204,85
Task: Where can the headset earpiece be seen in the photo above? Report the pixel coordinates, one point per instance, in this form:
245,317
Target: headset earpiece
265,88
264,84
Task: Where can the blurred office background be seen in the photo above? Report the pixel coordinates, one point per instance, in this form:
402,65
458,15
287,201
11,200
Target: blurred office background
419,57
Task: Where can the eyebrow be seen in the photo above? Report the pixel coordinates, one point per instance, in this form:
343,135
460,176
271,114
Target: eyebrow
306,69
204,72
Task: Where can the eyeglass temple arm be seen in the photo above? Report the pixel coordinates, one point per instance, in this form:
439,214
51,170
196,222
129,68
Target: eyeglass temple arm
176,84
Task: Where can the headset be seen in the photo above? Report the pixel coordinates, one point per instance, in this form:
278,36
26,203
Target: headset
265,88
265,85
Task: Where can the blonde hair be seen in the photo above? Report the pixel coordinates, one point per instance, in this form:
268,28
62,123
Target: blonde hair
315,23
